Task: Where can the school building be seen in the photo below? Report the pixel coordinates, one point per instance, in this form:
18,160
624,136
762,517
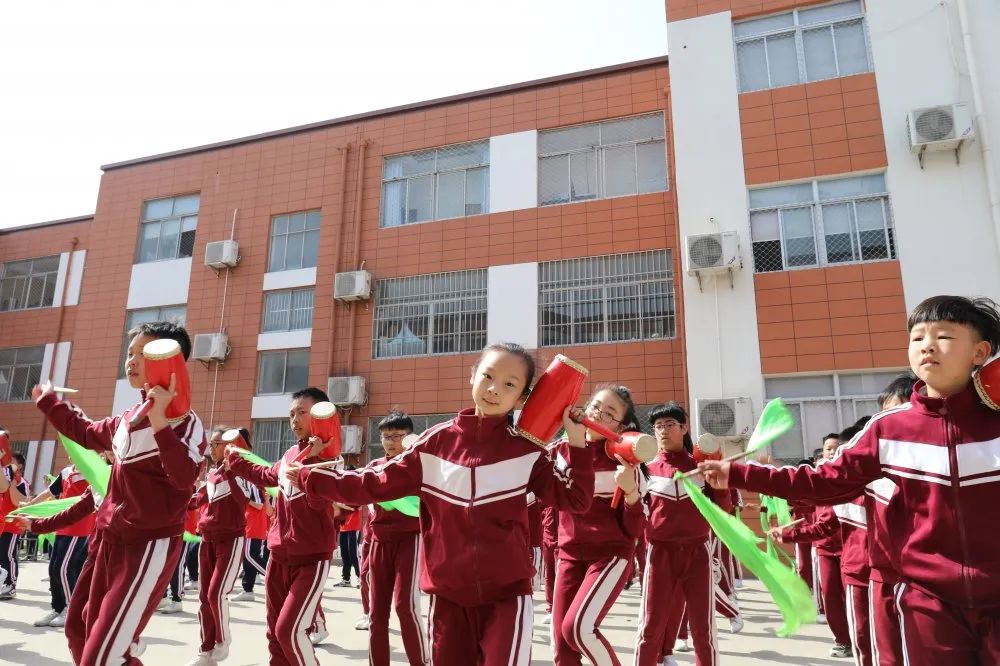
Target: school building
752,218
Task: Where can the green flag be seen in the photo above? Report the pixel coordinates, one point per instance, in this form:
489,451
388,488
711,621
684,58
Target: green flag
92,466
43,539
789,592
191,538
43,509
774,422
409,505
257,460
782,512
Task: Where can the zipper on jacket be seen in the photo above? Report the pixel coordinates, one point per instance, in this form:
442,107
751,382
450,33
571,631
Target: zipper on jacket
956,488
472,498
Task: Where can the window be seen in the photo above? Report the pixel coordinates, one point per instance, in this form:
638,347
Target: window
421,422
288,310
167,229
614,298
803,45
294,241
436,184
20,370
602,160
284,371
822,404
175,314
271,438
820,223
441,313
29,283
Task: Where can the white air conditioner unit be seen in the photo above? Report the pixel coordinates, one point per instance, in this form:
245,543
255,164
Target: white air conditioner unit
346,390
222,254
351,437
210,347
713,253
944,127
352,286
726,418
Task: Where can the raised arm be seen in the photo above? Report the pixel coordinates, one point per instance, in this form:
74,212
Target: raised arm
563,477
259,475
395,478
93,435
74,514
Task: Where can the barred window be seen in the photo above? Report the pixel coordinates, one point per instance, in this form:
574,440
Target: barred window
614,298
167,229
421,422
440,313
820,223
436,184
271,438
602,160
29,283
20,370
294,241
812,44
290,310
284,371
175,314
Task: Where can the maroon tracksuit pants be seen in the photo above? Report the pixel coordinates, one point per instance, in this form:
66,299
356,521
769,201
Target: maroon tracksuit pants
887,648
677,571
858,623
585,592
832,590
218,564
804,562
549,563
497,634
363,549
125,583
393,581
76,622
293,593
935,632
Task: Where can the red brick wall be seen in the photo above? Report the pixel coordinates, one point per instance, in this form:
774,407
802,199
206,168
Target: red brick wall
678,10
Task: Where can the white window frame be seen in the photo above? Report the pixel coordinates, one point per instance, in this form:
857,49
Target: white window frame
183,219
34,373
797,29
272,447
271,295
285,388
48,280
819,230
304,235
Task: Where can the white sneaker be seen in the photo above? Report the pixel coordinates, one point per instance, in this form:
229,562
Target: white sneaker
820,618
172,607
318,637
203,659
841,651
191,585
669,661
682,645
547,620
163,603
7,592
59,620
736,624
220,652
342,583
244,596
738,584
138,647
44,620
363,623
358,584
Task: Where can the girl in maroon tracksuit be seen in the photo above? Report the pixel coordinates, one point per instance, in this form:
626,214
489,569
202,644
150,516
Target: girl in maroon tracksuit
596,548
473,474
941,452
301,540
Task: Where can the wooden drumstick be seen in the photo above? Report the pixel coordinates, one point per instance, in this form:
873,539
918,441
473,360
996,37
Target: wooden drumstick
63,389
791,524
732,458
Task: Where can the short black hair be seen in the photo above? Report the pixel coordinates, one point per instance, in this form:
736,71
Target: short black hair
980,313
829,435
901,387
317,395
516,350
19,458
818,453
164,329
397,419
804,461
672,410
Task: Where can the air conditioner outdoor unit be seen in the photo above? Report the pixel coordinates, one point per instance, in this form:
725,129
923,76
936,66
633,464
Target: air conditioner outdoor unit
351,437
944,127
726,418
346,390
352,286
222,254
713,253
210,347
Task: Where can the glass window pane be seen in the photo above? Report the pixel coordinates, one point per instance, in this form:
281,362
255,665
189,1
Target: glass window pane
302,309
783,60
762,25
568,139
158,209
310,248
271,372
871,229
276,305
150,239
416,164
477,191
465,155
838,229
451,195
297,373
632,130
651,161
553,180
30,355
752,64
50,292
790,447
293,251
296,222
818,46
170,235
312,219
764,225
45,264
186,205
619,171
420,199
829,12
393,203
781,196
852,51
279,225
766,241
583,176
800,244
276,261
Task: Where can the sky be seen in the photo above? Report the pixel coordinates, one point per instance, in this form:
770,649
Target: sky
91,82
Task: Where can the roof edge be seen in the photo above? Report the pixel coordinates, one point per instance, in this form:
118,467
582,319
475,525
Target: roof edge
50,223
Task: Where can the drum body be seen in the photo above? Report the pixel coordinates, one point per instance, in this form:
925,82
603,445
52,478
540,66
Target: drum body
987,382
325,424
634,448
161,359
235,437
557,388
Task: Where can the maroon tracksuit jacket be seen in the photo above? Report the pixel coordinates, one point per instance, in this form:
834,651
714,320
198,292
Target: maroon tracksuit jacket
854,570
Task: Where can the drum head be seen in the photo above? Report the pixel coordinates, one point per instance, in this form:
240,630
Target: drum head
645,448
161,348
323,410
231,436
410,440
708,444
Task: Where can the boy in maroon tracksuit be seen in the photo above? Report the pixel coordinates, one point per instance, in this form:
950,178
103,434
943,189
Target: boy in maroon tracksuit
139,539
941,451
473,474
301,540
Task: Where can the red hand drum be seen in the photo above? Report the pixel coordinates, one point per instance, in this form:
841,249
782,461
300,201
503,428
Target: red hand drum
633,448
325,424
707,448
6,453
235,437
162,358
987,382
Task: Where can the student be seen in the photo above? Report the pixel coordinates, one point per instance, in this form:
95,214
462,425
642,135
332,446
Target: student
596,547
301,541
13,491
255,552
140,540
535,540
173,597
939,451
350,525
472,475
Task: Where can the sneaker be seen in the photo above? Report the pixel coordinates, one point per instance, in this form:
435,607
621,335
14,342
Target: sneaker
318,637
138,648
172,607
59,620
363,623
358,584
44,620
547,620
820,618
7,592
203,659
191,585
342,583
839,650
669,661
736,624
220,652
738,584
245,596
682,645
163,603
